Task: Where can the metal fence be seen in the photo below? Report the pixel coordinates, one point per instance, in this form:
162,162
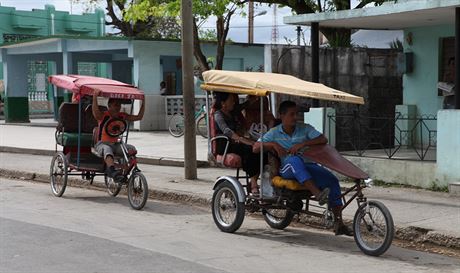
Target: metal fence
402,137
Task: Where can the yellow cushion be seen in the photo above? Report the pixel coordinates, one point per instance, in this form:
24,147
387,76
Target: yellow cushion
292,185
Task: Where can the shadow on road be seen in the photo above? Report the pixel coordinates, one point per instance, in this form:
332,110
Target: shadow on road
346,245
152,206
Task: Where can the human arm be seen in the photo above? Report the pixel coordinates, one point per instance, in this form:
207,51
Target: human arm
269,146
98,115
321,139
140,115
229,132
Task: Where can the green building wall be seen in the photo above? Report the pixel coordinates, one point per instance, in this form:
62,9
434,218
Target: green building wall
48,21
18,25
420,86
147,57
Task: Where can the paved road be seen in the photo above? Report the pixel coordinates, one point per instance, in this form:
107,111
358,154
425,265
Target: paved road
88,231
410,207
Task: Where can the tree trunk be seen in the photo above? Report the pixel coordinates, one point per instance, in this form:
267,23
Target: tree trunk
220,43
197,52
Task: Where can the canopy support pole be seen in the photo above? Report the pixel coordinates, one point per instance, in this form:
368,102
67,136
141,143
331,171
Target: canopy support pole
315,56
261,166
79,130
457,58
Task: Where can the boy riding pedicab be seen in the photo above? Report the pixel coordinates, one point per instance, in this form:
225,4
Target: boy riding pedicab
287,140
108,146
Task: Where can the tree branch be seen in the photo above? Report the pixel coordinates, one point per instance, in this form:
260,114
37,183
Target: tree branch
363,3
197,52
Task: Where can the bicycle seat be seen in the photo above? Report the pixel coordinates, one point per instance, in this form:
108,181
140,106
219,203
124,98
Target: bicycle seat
289,184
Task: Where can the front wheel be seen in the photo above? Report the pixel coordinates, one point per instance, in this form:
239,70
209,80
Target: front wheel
138,190
58,174
176,125
278,218
373,228
202,126
227,211
113,188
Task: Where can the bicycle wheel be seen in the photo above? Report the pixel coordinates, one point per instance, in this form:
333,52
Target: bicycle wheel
113,188
176,125
58,174
138,190
202,126
278,218
227,212
373,228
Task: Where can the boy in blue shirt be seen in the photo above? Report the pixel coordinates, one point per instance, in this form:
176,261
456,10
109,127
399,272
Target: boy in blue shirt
288,140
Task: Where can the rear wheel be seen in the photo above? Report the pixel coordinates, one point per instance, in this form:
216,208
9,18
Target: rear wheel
58,174
227,211
176,125
138,190
202,126
373,228
113,188
278,218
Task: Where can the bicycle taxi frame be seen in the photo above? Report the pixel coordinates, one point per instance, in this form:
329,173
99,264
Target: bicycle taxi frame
281,199
78,132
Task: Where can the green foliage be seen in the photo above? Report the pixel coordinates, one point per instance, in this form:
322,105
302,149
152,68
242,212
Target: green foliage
334,35
436,187
397,44
140,10
143,10
433,187
209,35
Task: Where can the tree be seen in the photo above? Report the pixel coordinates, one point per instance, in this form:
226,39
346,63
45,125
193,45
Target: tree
336,36
160,27
223,10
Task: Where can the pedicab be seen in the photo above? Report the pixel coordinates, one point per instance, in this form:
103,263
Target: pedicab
281,199
78,132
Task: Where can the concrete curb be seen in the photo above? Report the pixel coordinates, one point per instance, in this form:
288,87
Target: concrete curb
409,234
150,160
46,125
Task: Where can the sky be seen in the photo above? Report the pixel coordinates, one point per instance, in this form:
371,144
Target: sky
238,28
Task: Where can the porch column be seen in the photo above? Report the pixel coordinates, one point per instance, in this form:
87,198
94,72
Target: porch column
457,58
16,99
314,38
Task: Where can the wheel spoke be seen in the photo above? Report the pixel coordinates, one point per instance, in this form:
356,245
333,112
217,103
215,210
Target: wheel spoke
226,207
372,228
58,174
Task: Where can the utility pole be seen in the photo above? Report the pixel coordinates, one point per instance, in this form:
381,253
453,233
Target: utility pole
299,31
251,23
314,38
275,30
188,90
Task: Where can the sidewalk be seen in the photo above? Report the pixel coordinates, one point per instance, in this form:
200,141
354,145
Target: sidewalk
418,214
148,144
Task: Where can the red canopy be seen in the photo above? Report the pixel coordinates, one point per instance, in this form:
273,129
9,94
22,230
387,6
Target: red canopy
85,85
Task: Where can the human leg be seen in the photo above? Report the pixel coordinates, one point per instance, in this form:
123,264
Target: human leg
250,163
325,179
106,151
295,168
